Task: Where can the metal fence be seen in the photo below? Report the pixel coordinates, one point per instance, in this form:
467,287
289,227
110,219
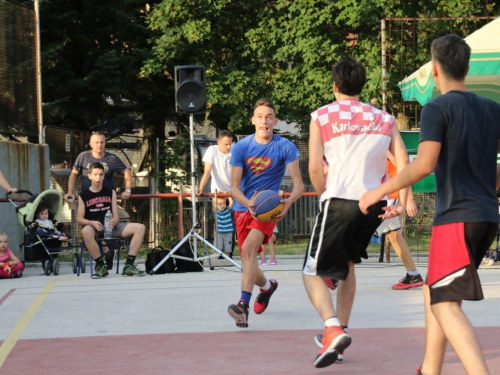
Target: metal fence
165,221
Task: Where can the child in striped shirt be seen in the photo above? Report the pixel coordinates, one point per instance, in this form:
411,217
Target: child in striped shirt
224,225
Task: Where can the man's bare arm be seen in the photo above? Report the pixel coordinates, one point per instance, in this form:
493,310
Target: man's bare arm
398,149
71,185
127,175
236,193
316,172
422,166
298,187
204,178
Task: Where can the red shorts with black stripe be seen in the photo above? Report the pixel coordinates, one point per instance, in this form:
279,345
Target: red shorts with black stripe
455,253
245,223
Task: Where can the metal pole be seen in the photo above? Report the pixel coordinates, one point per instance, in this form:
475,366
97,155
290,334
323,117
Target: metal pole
39,74
384,80
193,179
157,201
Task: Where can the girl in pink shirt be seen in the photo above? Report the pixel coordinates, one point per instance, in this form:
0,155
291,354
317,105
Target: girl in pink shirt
10,265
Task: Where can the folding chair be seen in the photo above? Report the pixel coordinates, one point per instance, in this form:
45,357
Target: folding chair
110,243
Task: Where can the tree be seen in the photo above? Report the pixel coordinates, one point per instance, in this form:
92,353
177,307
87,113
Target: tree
280,49
92,53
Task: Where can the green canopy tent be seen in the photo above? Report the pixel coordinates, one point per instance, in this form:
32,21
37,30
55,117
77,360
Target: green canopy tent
484,71
411,139
483,79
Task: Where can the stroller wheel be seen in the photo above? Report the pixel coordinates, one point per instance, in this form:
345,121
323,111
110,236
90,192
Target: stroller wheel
47,267
83,266
75,264
55,266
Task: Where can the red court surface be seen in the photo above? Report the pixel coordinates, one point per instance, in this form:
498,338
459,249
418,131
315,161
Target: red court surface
389,351
178,324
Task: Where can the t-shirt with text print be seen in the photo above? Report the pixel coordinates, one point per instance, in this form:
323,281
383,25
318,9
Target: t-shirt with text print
97,204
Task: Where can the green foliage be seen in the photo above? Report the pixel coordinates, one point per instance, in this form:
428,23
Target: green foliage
94,50
279,49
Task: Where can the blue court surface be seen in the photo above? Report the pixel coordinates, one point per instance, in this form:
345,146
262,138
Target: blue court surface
178,324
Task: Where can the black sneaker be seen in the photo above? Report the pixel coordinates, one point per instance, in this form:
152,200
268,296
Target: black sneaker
409,282
239,313
262,300
109,257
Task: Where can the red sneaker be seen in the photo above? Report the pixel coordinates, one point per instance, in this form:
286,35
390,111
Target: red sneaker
331,283
334,342
262,300
318,340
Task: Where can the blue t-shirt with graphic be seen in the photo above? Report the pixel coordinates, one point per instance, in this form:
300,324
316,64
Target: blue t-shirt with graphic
263,164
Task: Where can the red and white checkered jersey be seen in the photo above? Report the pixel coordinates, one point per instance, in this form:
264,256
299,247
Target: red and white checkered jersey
356,137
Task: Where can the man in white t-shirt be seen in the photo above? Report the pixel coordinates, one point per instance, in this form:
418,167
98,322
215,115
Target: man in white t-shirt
217,165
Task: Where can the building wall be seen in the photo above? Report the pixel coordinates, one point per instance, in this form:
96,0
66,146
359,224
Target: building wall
26,167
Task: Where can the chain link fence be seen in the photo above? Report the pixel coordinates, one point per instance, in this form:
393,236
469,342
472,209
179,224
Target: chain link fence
161,215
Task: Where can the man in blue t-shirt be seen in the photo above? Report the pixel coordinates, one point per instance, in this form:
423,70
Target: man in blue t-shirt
459,140
258,162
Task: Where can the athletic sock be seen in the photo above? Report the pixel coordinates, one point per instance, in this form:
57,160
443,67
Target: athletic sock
332,321
130,260
266,287
414,272
99,261
246,296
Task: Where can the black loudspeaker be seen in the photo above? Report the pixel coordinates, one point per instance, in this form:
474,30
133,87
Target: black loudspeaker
190,89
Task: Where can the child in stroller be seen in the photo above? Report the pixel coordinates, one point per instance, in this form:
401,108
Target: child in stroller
47,228
41,243
10,265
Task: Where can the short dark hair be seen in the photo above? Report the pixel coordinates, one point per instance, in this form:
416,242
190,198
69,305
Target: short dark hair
453,55
266,103
349,76
95,166
40,208
224,134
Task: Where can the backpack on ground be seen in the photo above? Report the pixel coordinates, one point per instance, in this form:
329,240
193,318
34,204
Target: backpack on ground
155,256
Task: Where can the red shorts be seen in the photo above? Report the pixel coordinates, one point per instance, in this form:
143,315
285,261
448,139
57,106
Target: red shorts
455,253
245,223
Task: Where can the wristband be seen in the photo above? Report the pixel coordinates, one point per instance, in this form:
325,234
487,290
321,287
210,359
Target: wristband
128,191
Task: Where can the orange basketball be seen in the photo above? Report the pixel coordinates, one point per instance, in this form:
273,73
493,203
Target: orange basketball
267,205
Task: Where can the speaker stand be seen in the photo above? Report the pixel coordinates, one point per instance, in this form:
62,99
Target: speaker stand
192,233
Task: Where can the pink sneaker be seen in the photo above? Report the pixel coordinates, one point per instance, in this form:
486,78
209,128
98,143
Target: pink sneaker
273,262
263,262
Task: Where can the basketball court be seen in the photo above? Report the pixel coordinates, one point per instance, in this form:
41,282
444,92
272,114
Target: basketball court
178,324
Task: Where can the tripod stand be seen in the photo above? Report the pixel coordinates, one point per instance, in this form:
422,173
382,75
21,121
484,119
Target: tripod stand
192,233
